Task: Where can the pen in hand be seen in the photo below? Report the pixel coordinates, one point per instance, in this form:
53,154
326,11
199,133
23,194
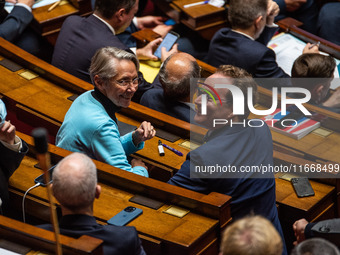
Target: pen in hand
173,150
314,44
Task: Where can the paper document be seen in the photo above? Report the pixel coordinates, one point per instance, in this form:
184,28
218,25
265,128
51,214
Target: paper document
288,48
9,6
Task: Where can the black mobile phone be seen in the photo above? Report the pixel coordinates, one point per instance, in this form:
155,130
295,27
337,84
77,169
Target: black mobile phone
169,40
125,216
41,180
302,187
293,115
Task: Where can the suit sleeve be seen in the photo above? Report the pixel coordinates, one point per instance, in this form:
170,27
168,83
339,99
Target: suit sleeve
268,67
10,160
327,229
182,178
15,23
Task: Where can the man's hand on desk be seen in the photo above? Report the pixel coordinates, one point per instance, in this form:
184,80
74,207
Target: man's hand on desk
293,5
147,51
27,2
333,100
272,11
145,132
149,21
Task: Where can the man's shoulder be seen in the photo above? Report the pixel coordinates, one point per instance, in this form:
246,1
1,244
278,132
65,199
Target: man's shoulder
151,95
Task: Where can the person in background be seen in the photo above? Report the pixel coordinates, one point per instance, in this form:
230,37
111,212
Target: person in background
318,73
174,97
12,151
252,235
14,27
75,187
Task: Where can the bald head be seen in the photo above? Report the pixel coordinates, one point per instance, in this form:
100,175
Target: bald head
75,181
175,75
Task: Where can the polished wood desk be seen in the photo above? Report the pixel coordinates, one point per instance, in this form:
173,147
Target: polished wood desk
161,233
204,19
19,233
48,23
40,95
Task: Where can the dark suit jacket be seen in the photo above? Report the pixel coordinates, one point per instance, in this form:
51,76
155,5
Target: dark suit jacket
327,229
78,41
236,146
230,48
9,162
117,240
154,99
13,24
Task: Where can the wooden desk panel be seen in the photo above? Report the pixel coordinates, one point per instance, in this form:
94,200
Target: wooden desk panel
184,235
43,240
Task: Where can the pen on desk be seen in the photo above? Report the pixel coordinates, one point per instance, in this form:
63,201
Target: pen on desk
173,150
314,44
54,6
194,4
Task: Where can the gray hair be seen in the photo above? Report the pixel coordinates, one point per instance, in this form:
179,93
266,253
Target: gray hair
242,13
104,62
74,181
174,87
315,246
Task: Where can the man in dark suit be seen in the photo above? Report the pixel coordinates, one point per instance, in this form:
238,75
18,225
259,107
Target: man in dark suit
221,163
174,97
75,187
244,45
327,229
81,37
14,28
12,151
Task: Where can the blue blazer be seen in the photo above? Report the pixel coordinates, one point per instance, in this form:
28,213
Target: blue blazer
230,48
154,99
117,240
236,146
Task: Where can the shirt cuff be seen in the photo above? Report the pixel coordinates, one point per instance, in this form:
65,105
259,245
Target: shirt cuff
25,6
134,50
135,22
17,146
272,25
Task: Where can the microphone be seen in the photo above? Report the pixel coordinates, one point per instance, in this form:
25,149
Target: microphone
41,146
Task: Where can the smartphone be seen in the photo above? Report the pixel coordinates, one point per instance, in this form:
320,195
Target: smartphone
302,187
169,40
125,216
41,180
293,115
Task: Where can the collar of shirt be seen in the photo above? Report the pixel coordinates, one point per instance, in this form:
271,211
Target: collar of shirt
251,38
107,24
109,107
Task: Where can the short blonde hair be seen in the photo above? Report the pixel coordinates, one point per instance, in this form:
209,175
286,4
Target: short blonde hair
252,235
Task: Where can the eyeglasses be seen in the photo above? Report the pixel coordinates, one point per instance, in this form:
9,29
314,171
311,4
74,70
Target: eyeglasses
124,83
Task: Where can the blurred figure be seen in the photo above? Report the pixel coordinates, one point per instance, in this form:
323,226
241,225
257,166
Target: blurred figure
253,235
318,73
315,246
